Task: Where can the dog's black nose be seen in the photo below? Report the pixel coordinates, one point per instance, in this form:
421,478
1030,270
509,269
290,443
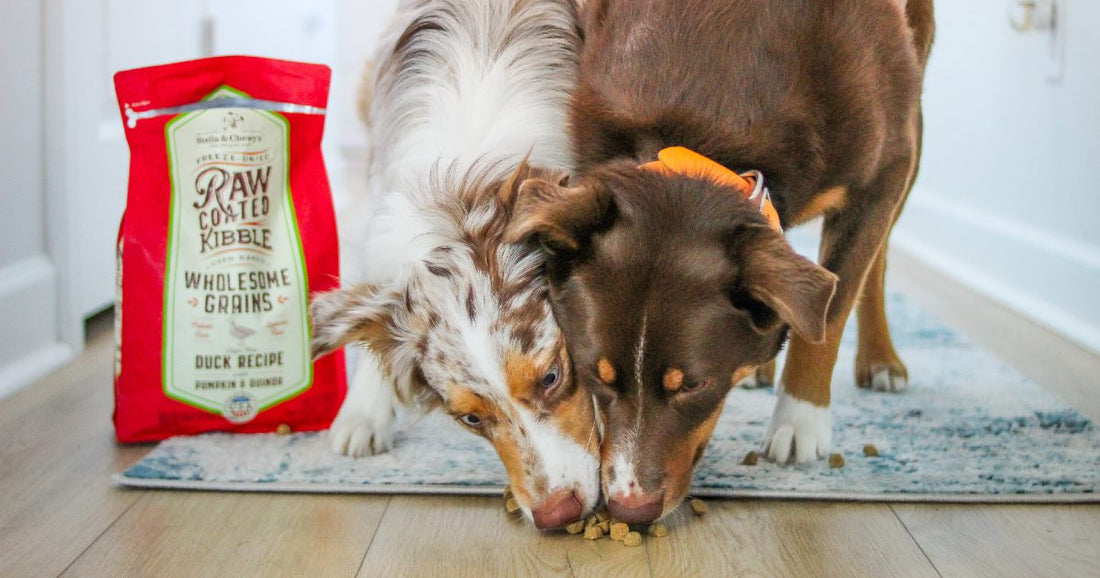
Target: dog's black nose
637,508
558,509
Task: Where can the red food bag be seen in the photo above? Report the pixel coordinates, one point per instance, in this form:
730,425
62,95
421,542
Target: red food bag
229,227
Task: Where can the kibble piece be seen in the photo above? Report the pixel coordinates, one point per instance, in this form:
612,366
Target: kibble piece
592,521
605,526
658,530
619,530
870,451
632,539
699,507
576,527
750,459
836,461
602,516
283,429
593,533
511,505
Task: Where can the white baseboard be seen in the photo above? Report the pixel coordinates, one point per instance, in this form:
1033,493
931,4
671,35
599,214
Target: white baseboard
31,368
29,345
1051,279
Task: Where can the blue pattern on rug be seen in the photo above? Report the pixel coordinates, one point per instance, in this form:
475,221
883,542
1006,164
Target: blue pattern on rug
969,428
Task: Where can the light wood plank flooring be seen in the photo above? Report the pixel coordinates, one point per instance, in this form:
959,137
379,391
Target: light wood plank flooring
59,514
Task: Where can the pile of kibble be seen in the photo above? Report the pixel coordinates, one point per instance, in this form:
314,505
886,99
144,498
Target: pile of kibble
600,524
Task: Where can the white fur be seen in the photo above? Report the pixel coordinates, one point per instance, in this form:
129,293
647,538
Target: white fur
566,463
501,106
625,481
799,427
365,424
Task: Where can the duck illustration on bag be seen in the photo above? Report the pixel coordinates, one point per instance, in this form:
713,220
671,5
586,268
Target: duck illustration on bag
240,332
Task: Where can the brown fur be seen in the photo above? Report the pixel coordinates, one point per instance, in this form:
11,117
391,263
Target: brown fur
820,96
831,200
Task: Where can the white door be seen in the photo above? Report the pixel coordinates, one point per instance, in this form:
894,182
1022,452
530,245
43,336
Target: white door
87,41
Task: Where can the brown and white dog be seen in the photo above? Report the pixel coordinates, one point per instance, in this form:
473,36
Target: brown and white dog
468,99
670,286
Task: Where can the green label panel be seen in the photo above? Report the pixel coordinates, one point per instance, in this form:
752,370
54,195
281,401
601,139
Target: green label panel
236,331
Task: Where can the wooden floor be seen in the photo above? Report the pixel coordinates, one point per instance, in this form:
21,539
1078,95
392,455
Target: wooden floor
59,514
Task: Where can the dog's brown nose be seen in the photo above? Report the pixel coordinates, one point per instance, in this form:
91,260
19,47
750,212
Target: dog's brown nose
558,509
637,508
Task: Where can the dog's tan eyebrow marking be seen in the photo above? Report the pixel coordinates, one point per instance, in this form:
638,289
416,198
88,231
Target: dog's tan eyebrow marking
605,370
673,380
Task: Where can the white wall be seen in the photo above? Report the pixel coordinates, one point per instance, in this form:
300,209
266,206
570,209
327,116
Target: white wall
1008,198
28,277
62,156
361,24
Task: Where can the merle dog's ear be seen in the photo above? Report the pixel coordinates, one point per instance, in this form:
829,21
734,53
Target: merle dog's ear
562,218
796,289
358,314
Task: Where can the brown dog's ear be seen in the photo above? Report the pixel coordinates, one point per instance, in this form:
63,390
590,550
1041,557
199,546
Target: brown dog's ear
358,314
560,217
796,289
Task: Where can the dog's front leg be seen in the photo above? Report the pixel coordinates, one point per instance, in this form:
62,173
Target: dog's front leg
367,419
801,426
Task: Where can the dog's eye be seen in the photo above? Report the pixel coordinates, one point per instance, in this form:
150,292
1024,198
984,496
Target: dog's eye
552,378
696,385
471,420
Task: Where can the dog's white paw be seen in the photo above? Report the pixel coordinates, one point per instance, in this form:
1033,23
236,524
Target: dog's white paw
360,431
889,380
799,431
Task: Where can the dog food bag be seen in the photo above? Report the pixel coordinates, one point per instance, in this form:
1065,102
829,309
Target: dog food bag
229,228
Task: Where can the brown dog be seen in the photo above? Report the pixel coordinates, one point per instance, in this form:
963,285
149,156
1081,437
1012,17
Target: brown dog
669,285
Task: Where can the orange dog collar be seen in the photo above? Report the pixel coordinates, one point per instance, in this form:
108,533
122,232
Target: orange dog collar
686,162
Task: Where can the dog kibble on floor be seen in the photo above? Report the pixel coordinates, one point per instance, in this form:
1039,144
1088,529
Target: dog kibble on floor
699,506
283,429
836,461
870,451
750,459
599,524
619,530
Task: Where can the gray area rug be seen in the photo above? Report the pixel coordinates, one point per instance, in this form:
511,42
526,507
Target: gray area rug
971,429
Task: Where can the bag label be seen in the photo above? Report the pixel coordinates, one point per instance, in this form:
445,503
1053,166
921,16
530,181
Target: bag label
236,329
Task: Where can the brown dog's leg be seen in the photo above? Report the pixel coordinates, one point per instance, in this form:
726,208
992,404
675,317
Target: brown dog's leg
801,426
762,376
877,363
